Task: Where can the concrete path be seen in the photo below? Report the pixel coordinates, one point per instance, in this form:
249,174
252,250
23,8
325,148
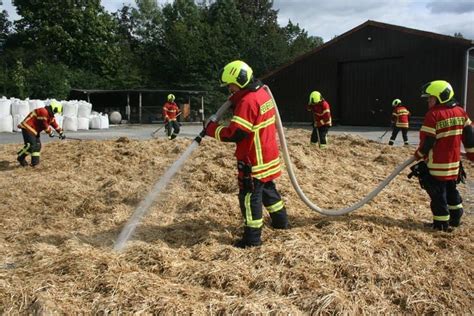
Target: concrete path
143,131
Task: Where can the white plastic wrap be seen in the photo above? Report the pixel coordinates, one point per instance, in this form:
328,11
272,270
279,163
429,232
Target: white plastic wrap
34,104
100,121
59,119
17,119
84,109
5,107
70,108
70,123
21,108
6,124
82,123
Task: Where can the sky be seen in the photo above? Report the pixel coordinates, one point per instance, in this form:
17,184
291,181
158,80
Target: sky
330,18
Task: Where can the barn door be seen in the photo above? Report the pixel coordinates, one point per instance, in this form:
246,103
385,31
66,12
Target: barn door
366,91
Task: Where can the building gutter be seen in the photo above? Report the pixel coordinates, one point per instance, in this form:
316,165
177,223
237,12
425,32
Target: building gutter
466,76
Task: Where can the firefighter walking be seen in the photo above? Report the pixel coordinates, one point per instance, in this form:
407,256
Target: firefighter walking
445,127
170,115
400,121
322,118
36,121
253,129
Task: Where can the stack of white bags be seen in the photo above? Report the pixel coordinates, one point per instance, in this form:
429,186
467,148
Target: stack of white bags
77,115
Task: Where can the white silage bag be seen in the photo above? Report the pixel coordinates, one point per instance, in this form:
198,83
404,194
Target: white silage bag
5,107
84,109
59,119
70,123
99,122
6,124
17,119
21,108
104,121
82,123
35,104
70,108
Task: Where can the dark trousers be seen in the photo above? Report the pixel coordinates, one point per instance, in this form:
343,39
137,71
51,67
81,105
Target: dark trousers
319,135
32,146
446,203
172,128
251,202
395,133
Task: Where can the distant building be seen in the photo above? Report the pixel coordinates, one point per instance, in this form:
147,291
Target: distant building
361,71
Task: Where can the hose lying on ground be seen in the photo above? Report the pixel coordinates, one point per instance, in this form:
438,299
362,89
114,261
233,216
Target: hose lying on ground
311,205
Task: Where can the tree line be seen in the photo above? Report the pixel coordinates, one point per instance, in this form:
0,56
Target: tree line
58,45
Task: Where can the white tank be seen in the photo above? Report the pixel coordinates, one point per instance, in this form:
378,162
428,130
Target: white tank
115,117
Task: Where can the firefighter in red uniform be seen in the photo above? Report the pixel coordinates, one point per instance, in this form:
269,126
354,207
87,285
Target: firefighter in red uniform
445,126
38,120
253,129
400,121
170,115
322,118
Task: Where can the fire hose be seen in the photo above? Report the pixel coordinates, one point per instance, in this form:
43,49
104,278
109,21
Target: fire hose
294,182
145,204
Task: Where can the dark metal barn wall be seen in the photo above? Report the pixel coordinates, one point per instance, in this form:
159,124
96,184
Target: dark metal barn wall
363,71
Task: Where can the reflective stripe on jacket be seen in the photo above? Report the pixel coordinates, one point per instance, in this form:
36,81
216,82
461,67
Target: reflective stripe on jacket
445,124
39,120
254,114
401,116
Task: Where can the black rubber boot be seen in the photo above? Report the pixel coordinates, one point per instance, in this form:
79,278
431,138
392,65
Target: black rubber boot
22,160
441,225
35,160
251,238
279,219
455,217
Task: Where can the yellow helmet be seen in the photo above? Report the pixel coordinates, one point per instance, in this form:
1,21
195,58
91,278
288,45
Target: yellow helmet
171,97
396,102
56,106
315,97
236,72
440,89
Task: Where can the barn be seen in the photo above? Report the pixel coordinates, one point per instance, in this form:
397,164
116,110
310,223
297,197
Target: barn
361,71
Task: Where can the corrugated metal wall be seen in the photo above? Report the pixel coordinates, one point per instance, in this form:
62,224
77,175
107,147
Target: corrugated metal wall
361,73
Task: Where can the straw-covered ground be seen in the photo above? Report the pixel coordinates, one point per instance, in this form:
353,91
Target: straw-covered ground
60,220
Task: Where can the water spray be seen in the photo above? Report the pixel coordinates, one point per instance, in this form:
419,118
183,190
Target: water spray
144,206
158,187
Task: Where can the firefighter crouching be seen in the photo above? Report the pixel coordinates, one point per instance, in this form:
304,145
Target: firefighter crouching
253,129
445,126
322,118
38,120
170,114
400,121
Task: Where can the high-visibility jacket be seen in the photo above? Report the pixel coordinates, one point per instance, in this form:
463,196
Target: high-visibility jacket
38,120
401,116
170,111
254,115
447,125
321,113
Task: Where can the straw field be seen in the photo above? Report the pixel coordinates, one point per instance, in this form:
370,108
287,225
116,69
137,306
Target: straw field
59,222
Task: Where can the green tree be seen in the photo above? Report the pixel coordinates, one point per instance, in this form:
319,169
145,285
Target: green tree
48,81
78,33
19,75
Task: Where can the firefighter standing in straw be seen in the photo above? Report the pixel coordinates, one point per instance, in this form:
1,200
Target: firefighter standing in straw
170,114
38,120
253,129
322,118
445,126
400,121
